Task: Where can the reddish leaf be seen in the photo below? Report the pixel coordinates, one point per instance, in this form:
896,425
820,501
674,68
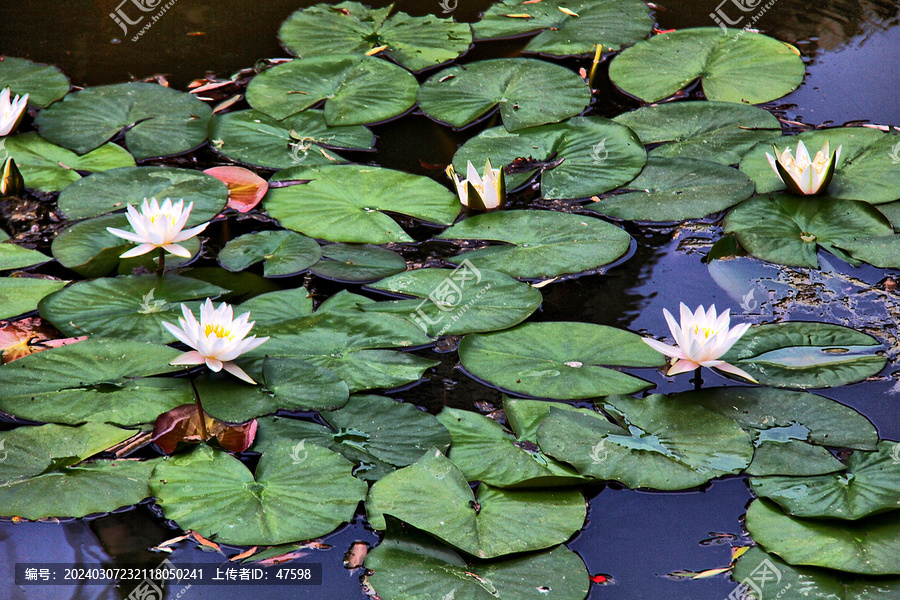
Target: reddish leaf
245,188
28,336
182,424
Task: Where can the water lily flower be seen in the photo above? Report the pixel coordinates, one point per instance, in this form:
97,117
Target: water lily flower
11,111
158,227
480,193
12,183
701,338
216,340
802,176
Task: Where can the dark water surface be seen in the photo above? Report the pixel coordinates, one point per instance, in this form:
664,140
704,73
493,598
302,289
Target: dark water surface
853,59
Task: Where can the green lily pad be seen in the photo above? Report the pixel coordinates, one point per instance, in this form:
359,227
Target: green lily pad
276,307
357,263
459,301
433,495
788,229
529,92
357,89
677,189
661,444
540,244
409,564
241,286
870,485
351,28
157,121
47,167
718,131
806,355
869,546
214,494
345,203
254,138
125,307
733,66
558,360
865,171
114,190
44,84
597,155
611,23
19,295
13,256
882,251
284,252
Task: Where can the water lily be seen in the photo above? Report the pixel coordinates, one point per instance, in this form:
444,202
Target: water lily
701,338
11,111
12,183
480,193
158,227
216,340
804,176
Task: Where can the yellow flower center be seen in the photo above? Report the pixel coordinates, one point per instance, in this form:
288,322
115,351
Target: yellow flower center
163,217
707,331
217,330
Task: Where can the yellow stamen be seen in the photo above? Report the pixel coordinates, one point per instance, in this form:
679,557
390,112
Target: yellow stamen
217,330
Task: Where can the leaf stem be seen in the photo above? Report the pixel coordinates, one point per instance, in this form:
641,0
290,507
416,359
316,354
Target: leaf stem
200,412
161,268
698,380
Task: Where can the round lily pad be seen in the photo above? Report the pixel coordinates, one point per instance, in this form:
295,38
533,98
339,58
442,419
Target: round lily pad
529,92
157,121
19,295
733,66
276,307
357,263
44,84
677,189
356,89
284,252
345,203
349,27
540,244
558,360
581,157
214,494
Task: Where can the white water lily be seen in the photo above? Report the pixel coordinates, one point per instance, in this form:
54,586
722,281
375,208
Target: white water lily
480,193
11,111
158,227
701,339
216,340
804,176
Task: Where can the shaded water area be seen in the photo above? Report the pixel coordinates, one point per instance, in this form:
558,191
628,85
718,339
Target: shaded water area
640,539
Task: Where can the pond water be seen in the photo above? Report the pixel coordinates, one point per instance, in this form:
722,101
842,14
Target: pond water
639,539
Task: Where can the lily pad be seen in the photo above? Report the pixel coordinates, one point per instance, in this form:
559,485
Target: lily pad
351,28
254,138
407,564
125,307
346,203
284,252
276,307
659,443
357,263
458,301
722,132
806,355
44,84
558,360
156,120
610,23
869,546
677,189
529,92
214,494
788,229
596,154
114,190
433,495
733,66
540,244
19,295
865,170
47,167
13,256
881,251
357,89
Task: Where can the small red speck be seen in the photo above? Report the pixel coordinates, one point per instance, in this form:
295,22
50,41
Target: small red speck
599,578
661,31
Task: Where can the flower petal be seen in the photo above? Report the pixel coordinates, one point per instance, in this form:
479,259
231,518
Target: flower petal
237,372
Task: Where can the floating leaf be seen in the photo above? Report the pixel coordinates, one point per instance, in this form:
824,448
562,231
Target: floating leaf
677,189
25,337
182,424
881,251
276,307
558,360
356,89
529,92
349,27
540,244
20,295
44,84
284,252
610,23
157,121
245,188
357,263
13,256
345,203
733,66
